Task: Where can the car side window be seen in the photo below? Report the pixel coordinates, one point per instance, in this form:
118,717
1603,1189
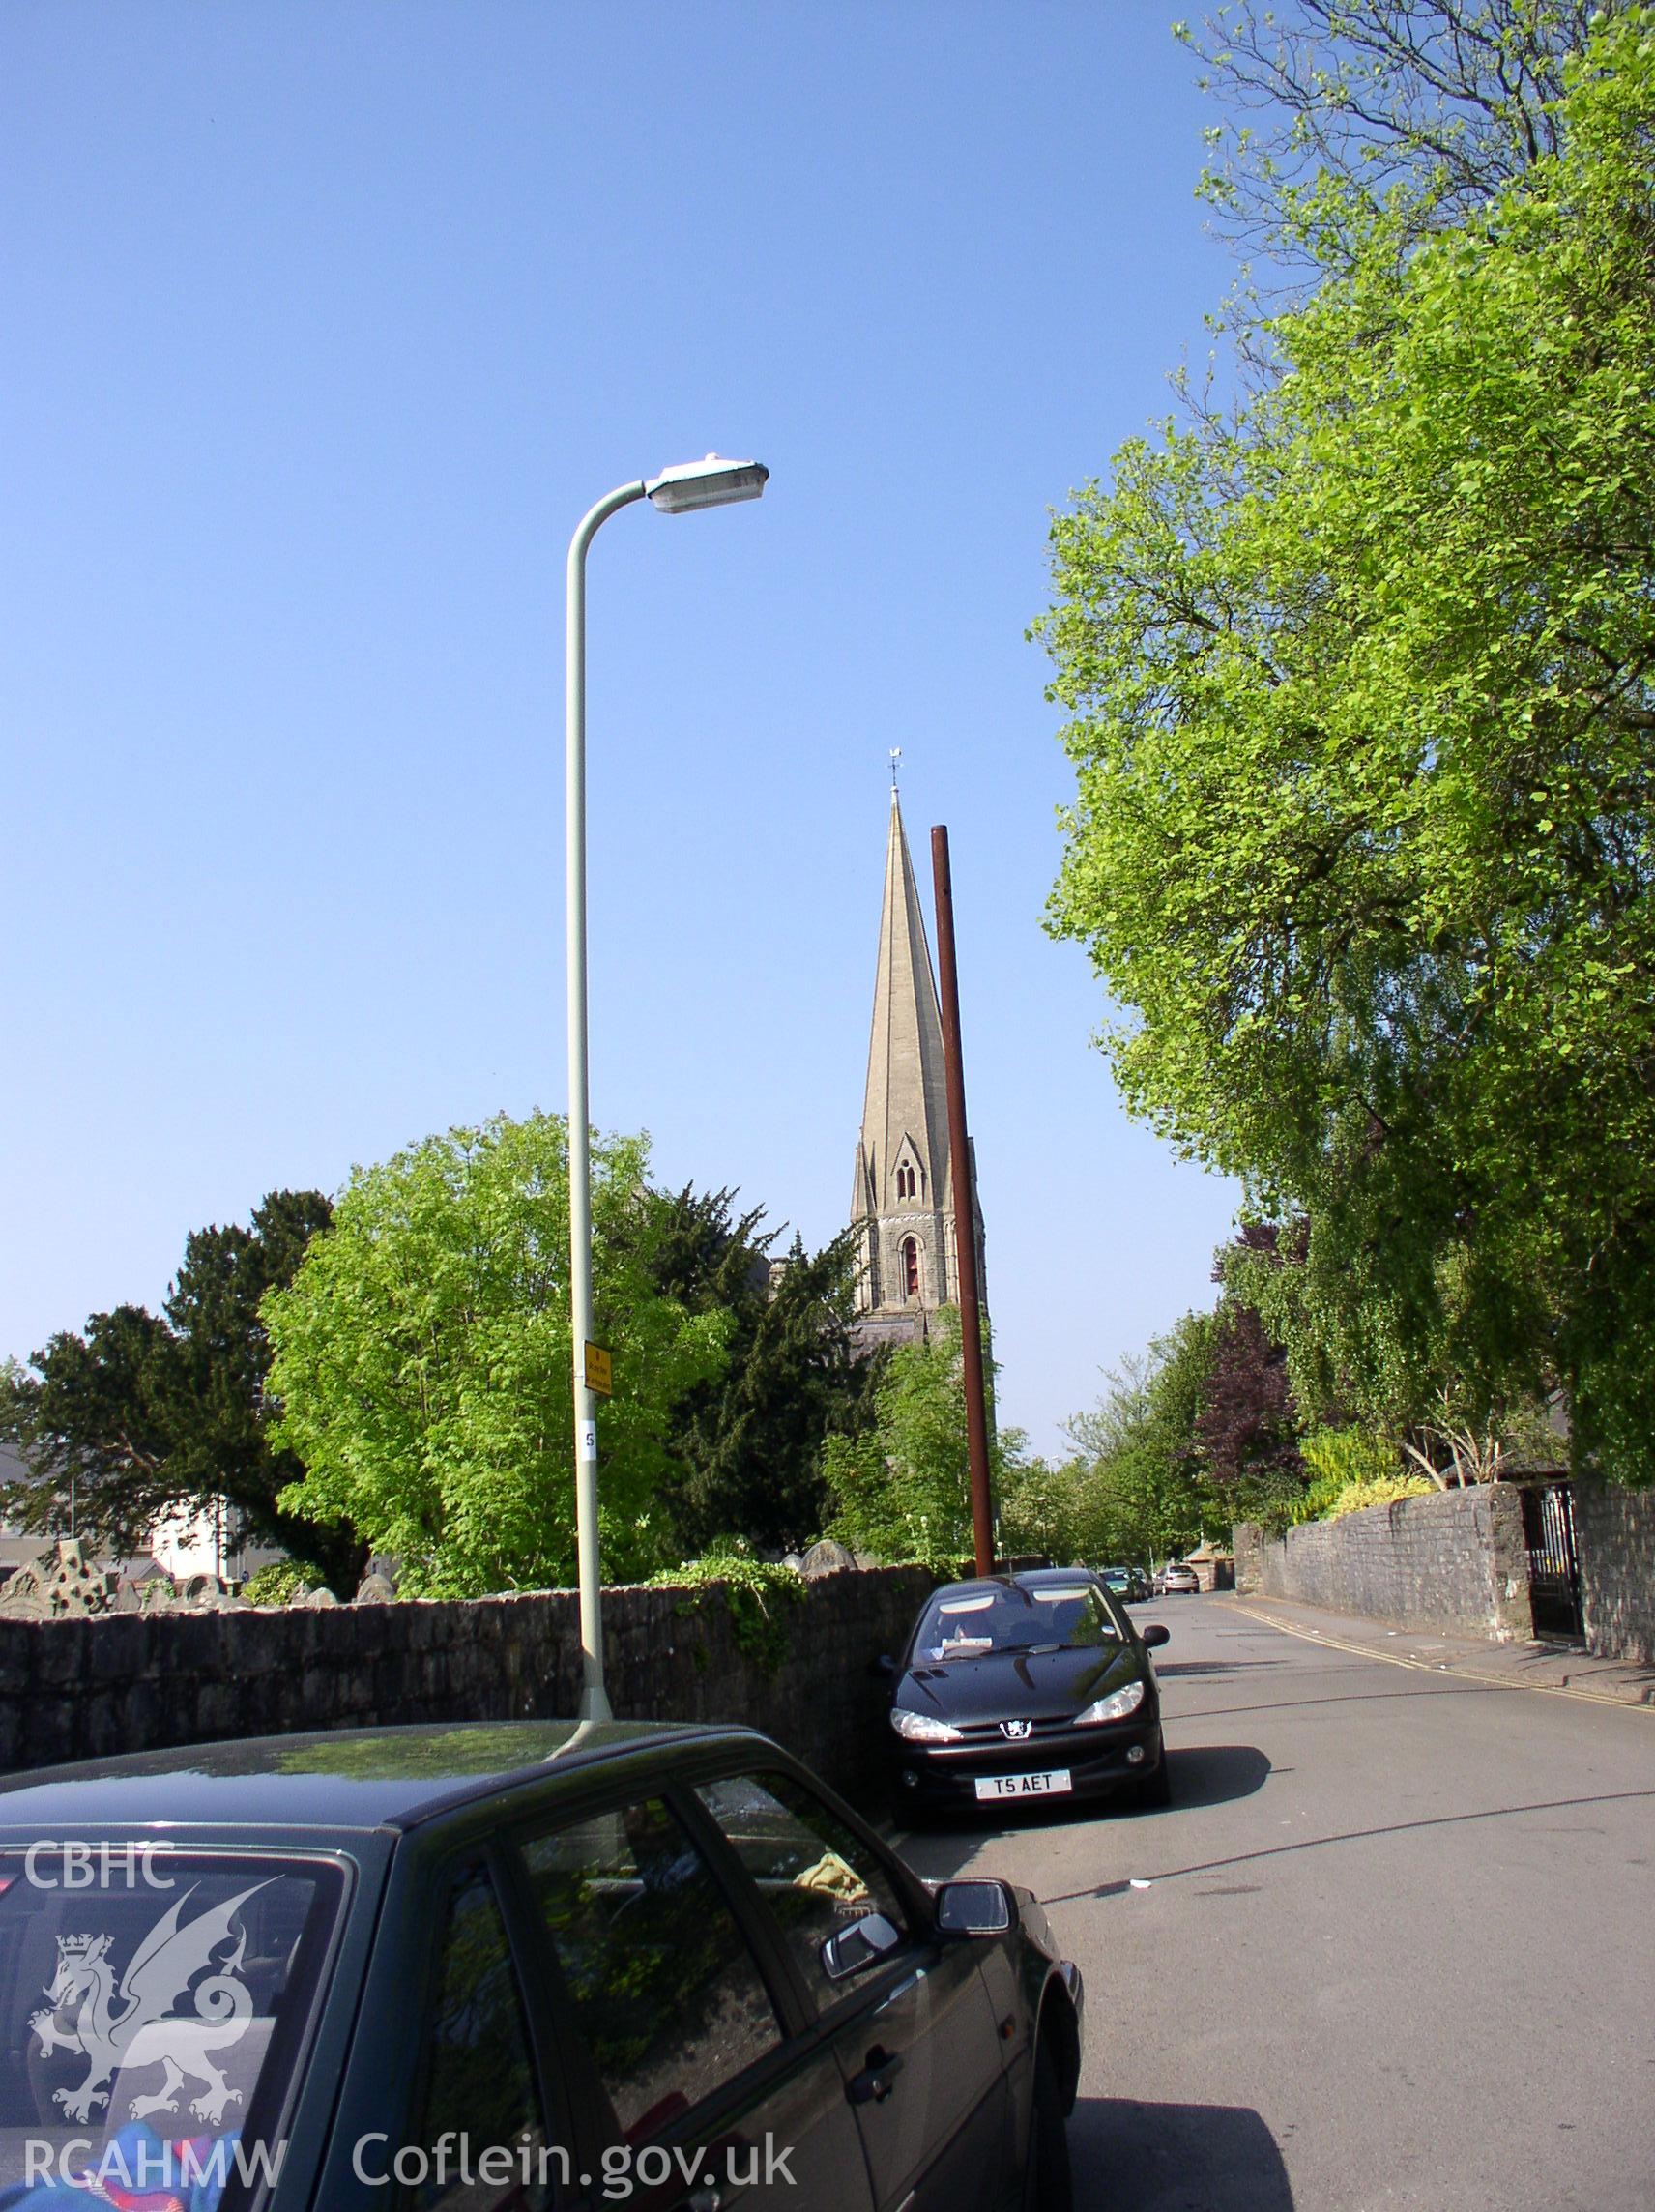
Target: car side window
481,2140
665,1986
814,1875
1113,1604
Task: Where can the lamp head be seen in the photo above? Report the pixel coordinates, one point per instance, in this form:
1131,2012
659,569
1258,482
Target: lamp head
710,482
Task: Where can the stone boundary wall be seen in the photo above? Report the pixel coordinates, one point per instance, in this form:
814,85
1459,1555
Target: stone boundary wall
126,1683
1614,1537
1456,1561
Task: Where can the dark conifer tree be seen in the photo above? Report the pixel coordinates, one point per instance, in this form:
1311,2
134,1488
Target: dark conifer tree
751,1443
140,1415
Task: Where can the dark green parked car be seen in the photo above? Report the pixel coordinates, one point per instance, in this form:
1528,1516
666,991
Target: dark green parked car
510,1967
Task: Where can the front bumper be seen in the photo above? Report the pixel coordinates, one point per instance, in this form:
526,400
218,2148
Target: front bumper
935,1777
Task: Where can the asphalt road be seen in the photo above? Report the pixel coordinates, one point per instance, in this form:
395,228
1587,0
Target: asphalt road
1397,1950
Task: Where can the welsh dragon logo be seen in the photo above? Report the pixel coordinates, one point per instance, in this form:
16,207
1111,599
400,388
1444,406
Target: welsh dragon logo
127,2025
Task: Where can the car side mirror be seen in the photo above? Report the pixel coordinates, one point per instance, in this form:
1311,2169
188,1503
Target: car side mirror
883,1668
1153,1633
973,1908
860,1945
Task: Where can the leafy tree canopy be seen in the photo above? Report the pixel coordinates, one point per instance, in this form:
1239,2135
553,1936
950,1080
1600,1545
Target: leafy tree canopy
1431,106
1248,1423
143,1415
902,1491
423,1361
1046,1512
1144,1489
749,1441
1362,686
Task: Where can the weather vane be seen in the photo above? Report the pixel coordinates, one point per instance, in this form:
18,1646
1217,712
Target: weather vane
895,761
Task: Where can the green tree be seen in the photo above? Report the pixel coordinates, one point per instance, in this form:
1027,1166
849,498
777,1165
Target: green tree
1146,1488
214,1389
143,1415
1362,686
422,1361
88,1420
749,1441
902,1491
1431,106
1247,1430
1044,1513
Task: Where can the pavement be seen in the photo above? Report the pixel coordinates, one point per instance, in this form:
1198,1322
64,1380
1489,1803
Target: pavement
1392,1949
1551,1664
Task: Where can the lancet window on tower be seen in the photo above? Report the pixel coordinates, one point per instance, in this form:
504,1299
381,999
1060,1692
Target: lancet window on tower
905,1180
910,1267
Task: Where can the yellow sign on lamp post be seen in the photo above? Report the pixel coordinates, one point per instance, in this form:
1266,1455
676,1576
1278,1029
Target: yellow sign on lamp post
599,1370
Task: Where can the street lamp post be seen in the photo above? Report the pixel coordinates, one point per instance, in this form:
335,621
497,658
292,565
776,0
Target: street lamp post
680,490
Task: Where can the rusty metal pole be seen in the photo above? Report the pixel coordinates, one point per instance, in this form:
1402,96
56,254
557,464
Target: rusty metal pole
965,1208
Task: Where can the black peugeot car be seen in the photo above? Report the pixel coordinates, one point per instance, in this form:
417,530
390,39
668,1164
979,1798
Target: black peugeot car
1021,1686
510,1967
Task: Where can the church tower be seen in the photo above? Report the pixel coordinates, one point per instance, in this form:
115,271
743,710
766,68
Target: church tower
904,1198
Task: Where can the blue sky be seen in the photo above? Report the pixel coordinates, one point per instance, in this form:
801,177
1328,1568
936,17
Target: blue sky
320,326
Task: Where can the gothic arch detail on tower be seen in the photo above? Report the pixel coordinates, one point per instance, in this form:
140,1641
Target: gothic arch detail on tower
908,1180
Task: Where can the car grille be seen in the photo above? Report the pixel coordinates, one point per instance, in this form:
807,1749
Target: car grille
1054,1739
991,1731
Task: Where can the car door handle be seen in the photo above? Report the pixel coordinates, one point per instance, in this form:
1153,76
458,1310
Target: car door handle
877,2078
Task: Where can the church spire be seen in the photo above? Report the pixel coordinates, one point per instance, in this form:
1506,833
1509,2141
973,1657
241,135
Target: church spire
905,1112
904,1186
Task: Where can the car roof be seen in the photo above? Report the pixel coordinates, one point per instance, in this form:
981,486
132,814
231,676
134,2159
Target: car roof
1025,1578
343,1779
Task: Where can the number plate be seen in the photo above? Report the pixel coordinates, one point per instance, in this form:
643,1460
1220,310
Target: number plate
1052,1785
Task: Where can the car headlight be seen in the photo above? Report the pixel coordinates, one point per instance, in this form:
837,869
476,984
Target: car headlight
920,1728
1115,1707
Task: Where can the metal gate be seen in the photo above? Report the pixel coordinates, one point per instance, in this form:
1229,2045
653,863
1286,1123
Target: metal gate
1554,1565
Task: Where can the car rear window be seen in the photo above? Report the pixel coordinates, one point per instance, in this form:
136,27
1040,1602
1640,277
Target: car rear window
970,1624
154,2008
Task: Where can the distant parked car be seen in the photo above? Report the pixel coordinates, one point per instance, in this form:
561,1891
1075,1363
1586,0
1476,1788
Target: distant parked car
1025,1685
1129,1584
1177,1577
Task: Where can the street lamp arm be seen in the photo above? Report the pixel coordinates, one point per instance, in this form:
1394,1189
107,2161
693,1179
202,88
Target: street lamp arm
588,526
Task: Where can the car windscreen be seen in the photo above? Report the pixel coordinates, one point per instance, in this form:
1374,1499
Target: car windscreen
154,2005
973,1623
